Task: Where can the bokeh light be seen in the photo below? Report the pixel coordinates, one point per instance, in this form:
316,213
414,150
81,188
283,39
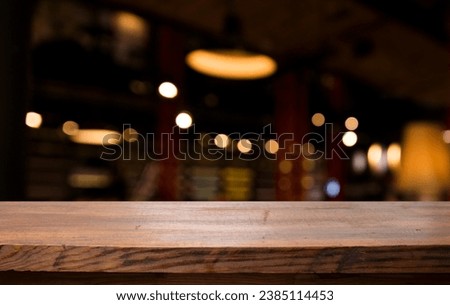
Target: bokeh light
183,120
377,158
285,166
244,146
349,139
351,123
33,120
318,119
168,90
394,154
70,128
130,135
272,146
221,140
332,188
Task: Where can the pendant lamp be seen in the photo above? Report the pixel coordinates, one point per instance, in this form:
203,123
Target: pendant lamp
231,61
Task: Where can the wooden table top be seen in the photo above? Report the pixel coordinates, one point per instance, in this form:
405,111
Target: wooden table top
225,237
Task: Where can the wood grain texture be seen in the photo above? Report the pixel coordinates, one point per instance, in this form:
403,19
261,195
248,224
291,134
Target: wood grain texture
226,237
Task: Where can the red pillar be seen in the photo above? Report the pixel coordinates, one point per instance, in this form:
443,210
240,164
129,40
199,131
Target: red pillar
171,68
291,124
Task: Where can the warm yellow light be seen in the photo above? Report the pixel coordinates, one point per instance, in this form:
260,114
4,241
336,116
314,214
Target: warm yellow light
96,137
183,120
425,161
374,155
349,139
70,128
221,140
130,24
90,180
271,146
446,136
376,158
285,166
130,34
130,135
244,146
231,64
33,120
168,90
351,123
394,154
318,119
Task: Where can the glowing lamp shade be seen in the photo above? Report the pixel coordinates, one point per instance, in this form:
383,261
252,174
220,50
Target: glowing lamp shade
231,64
425,161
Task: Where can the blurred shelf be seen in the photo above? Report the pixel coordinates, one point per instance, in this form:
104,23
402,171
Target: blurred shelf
90,95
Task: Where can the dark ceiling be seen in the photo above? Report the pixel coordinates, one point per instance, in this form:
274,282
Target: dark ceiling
397,47
392,54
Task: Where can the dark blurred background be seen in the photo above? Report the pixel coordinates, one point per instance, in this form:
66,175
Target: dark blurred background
370,78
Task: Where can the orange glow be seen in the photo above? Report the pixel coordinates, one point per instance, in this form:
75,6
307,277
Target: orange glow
231,64
394,154
271,146
376,157
308,149
244,146
96,137
318,119
351,123
221,140
130,24
425,161
130,135
70,128
90,180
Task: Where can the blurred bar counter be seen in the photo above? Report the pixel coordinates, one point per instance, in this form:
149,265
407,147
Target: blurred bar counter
225,242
